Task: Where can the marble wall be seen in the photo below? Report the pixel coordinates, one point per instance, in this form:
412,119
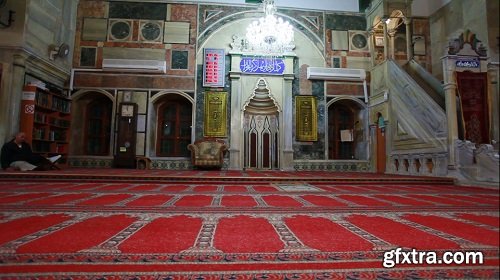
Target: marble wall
24,50
130,30
453,19
51,23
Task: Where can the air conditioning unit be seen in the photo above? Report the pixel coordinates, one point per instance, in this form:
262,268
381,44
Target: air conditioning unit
332,74
134,65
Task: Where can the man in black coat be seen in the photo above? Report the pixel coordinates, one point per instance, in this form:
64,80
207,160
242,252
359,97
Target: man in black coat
17,155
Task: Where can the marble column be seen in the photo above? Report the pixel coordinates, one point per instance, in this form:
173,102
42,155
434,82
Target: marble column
235,155
16,92
392,34
371,46
494,100
286,131
409,45
386,43
450,89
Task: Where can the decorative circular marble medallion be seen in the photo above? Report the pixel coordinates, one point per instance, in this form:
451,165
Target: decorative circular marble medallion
151,31
120,30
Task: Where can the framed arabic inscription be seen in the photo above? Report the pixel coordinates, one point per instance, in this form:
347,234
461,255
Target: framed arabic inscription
306,118
215,114
261,65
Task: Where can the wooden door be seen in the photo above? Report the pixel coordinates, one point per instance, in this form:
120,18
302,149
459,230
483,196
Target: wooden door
472,88
340,118
98,127
174,128
381,154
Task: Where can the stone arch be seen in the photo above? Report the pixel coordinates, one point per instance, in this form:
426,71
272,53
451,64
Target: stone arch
359,129
396,16
223,22
81,99
82,92
162,93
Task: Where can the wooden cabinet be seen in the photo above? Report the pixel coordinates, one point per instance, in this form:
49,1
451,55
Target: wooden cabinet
46,119
127,136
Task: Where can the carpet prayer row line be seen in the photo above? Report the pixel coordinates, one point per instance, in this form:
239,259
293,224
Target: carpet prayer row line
236,200
352,188
243,233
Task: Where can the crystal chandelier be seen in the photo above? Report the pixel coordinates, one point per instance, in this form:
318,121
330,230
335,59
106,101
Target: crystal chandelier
270,35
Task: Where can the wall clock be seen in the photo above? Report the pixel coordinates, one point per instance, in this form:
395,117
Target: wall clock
127,110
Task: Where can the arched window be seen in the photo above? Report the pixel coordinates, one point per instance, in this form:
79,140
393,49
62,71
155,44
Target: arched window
174,126
98,126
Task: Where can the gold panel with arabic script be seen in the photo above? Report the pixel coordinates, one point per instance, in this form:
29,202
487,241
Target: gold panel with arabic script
306,118
215,114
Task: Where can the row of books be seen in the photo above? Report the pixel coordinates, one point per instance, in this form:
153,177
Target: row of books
42,119
61,105
58,104
42,99
53,135
38,133
41,147
59,122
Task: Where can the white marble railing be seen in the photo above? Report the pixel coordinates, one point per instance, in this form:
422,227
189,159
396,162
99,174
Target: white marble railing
478,163
419,164
487,160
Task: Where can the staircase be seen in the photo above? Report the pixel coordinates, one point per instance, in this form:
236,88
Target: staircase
426,81
418,126
419,129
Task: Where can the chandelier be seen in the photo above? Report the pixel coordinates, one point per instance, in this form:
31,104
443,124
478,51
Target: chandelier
270,35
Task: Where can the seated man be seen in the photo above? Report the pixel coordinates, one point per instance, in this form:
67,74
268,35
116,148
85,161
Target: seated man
17,155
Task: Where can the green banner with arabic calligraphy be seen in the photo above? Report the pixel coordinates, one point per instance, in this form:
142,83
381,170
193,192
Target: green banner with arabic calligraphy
306,118
215,114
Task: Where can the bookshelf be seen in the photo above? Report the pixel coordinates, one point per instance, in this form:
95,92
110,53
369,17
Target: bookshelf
46,119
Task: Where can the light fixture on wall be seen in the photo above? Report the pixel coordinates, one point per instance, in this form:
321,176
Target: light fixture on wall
58,51
270,35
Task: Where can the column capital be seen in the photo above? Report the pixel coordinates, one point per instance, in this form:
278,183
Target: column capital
448,86
234,75
20,59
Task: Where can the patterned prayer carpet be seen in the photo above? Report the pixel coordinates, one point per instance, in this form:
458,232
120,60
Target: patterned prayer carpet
73,228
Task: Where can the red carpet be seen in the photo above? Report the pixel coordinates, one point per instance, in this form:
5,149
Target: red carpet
310,225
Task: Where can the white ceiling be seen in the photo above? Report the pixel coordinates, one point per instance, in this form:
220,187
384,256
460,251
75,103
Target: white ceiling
329,5
419,7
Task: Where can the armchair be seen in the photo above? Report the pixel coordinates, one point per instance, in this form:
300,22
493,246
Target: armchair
207,153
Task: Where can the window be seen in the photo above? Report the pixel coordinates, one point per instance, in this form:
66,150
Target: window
174,127
98,127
